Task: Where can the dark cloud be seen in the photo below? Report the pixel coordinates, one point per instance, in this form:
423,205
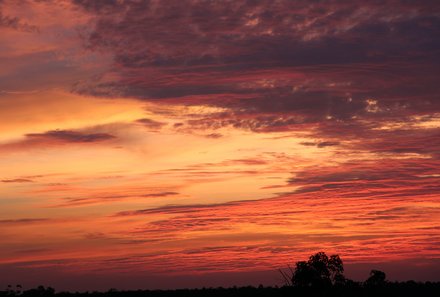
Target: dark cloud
151,124
404,141
160,194
214,135
69,136
246,162
167,209
100,198
15,23
339,69
56,137
388,137
411,170
322,144
23,221
385,178
101,6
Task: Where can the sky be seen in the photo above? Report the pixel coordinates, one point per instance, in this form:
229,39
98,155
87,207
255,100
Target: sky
171,144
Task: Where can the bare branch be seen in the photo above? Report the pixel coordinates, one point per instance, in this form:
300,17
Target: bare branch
286,277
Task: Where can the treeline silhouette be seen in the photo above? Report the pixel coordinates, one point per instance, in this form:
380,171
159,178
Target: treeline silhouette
319,276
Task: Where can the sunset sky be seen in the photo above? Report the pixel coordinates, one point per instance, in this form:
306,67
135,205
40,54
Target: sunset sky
170,144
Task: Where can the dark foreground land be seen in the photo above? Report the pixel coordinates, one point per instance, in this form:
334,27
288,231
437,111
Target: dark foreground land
391,289
319,276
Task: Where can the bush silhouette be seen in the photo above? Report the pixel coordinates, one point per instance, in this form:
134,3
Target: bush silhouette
377,279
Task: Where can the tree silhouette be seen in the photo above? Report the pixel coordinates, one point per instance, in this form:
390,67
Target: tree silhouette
377,278
319,271
11,291
40,291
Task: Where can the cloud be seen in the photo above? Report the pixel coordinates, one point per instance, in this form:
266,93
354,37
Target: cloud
15,23
86,198
24,221
196,44
214,135
56,138
151,124
69,136
322,144
276,228
17,180
342,69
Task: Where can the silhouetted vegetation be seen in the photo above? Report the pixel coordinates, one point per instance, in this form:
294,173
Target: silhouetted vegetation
320,276
319,271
